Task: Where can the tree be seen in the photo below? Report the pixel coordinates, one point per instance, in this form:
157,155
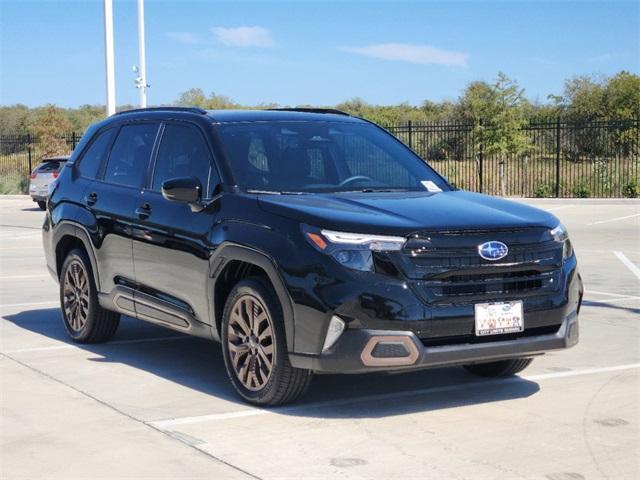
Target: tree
588,98
195,97
80,118
582,99
14,119
622,100
499,113
622,96
49,126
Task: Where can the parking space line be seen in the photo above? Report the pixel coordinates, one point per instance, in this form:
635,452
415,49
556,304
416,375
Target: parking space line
173,422
19,235
20,226
39,247
554,209
613,219
68,346
612,302
30,304
17,277
627,263
607,294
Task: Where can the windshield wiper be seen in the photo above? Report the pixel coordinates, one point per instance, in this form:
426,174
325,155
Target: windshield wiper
274,192
381,189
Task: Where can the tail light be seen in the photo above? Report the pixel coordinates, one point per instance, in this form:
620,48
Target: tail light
55,174
33,175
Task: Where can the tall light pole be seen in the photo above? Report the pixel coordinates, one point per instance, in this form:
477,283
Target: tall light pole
141,79
108,57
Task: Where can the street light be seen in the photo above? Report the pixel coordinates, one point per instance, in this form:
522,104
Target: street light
108,57
141,71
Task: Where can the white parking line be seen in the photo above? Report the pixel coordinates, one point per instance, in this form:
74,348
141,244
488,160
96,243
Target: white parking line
613,219
39,247
17,277
172,422
607,294
627,263
554,209
20,236
13,305
68,346
612,302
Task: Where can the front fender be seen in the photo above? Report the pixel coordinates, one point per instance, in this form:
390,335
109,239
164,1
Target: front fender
229,251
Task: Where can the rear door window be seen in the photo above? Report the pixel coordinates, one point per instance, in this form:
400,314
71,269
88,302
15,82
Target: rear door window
90,162
130,154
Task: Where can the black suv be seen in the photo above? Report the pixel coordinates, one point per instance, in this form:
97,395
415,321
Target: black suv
304,240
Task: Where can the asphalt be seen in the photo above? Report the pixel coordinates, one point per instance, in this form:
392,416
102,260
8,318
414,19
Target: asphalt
155,404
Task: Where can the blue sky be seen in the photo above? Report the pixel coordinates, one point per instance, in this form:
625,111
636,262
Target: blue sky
309,52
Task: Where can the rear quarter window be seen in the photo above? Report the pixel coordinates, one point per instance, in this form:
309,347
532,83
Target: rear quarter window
89,163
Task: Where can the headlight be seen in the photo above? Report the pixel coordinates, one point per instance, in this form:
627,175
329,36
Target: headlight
561,235
352,250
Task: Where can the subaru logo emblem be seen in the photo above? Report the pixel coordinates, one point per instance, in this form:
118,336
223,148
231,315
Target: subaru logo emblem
493,250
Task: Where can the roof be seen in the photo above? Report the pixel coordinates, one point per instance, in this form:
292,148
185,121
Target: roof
59,158
229,116
232,116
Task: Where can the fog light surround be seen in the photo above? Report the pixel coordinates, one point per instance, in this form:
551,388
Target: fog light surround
407,355
335,329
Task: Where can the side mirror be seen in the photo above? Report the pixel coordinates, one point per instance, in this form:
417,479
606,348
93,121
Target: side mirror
183,189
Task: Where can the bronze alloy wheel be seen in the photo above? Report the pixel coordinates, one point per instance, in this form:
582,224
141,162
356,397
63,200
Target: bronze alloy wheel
251,342
76,296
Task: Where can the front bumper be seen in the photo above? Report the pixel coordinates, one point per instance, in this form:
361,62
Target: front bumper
354,351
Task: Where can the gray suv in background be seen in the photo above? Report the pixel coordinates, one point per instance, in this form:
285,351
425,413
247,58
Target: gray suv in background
43,176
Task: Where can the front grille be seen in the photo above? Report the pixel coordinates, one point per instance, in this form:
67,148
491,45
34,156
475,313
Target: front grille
448,269
507,282
473,339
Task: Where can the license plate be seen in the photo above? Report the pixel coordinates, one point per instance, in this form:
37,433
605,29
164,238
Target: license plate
499,317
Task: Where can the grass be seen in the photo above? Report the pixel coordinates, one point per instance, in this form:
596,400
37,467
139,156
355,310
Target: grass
537,177
13,183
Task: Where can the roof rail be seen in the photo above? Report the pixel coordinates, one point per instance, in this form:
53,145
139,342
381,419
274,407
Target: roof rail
164,109
311,110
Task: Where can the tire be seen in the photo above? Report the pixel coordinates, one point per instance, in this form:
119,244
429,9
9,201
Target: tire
84,319
253,342
42,204
502,368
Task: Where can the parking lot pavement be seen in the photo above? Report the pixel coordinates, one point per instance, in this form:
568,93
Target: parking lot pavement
156,404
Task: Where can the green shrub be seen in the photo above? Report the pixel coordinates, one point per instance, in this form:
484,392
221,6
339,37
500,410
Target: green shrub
581,191
13,183
631,189
542,191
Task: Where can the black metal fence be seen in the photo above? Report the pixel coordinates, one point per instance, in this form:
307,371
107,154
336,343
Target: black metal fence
561,159
20,154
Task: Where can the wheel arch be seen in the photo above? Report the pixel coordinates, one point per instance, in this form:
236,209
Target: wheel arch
233,263
69,235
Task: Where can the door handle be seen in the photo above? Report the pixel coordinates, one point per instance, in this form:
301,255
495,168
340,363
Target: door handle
92,198
144,211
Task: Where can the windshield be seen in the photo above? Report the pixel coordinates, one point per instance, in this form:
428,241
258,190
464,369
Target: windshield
323,157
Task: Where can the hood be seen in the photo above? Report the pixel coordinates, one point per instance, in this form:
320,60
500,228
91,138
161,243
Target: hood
402,213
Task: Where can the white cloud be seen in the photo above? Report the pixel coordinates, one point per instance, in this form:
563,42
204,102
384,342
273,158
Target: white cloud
244,36
186,38
412,53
